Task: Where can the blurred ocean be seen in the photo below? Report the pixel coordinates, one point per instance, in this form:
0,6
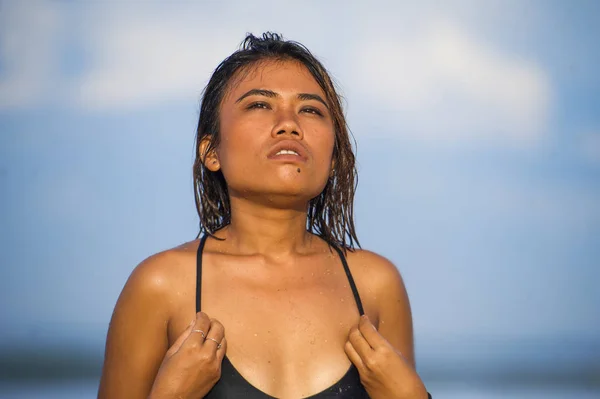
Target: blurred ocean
476,368
64,375
75,389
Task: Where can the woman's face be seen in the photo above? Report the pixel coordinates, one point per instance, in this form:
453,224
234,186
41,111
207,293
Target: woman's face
277,134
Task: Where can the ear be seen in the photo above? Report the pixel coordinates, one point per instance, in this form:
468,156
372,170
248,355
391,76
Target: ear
210,160
331,171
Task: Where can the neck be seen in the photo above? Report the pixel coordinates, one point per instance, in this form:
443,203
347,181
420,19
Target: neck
258,229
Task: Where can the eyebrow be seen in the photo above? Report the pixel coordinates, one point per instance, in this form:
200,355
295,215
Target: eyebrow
272,94
309,96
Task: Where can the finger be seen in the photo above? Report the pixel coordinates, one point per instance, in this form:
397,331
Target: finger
201,325
216,333
222,350
216,329
370,333
195,338
354,356
359,343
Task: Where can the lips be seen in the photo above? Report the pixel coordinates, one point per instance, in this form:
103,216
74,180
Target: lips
288,150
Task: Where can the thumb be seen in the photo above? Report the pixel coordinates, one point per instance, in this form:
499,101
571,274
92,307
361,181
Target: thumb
180,340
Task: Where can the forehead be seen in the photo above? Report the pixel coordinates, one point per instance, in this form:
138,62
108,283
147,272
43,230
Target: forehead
283,77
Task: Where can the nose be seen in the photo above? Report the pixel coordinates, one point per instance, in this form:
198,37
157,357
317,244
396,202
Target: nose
287,123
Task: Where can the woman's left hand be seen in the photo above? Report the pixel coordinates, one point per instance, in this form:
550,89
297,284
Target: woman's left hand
384,372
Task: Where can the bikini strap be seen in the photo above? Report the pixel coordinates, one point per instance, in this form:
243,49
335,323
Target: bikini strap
199,273
350,280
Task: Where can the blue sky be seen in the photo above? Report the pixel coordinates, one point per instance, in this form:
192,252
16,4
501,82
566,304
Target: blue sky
478,135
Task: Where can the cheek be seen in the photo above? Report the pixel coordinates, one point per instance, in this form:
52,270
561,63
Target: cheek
325,144
233,153
239,140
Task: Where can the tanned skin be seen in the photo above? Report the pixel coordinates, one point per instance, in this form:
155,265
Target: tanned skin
274,295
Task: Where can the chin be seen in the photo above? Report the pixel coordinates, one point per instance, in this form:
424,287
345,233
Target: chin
281,191
289,197
305,190
294,194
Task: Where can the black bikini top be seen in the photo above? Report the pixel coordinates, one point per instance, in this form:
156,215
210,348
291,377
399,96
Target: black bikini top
232,384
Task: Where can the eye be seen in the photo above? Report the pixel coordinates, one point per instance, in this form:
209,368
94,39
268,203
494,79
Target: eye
312,110
258,105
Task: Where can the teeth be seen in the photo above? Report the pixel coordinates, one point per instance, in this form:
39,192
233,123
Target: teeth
290,152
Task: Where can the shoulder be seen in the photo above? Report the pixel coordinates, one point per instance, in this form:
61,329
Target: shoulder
382,288
158,274
151,296
137,336
377,273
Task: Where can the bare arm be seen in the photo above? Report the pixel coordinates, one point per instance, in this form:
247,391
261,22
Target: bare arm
137,336
381,284
395,317
384,354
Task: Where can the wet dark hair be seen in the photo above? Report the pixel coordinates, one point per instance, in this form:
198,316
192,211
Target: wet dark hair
330,214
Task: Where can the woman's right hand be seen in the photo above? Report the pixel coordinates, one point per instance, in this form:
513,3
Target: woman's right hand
192,365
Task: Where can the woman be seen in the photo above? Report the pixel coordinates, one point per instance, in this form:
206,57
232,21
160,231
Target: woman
273,300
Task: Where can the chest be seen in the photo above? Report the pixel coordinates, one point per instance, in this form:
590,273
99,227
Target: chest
285,333
269,315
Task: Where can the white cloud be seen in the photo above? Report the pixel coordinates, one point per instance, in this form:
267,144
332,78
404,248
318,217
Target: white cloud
145,56
142,58
434,77
444,84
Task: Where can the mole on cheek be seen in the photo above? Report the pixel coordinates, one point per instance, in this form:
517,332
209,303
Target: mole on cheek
298,170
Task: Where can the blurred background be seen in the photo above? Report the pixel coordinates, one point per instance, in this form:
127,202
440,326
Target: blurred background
478,137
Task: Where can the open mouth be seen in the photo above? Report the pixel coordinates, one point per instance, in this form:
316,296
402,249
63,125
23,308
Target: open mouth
287,152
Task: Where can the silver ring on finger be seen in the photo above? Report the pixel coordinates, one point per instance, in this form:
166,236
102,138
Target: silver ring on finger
201,333
218,343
